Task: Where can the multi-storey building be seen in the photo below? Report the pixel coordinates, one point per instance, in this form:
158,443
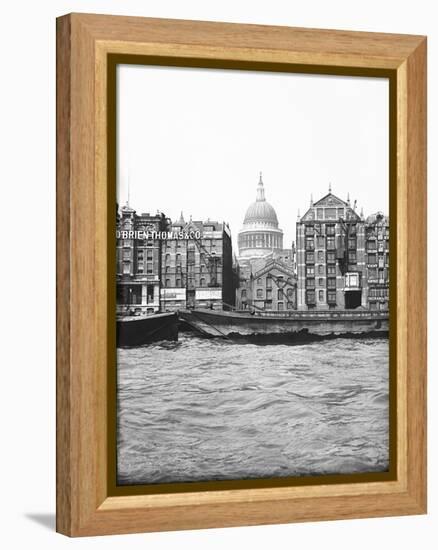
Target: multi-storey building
197,266
377,260
165,266
272,287
138,261
331,269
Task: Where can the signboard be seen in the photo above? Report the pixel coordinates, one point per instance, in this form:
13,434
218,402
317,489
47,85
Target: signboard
173,293
208,294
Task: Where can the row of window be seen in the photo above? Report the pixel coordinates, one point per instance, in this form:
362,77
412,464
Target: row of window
331,282
179,283
321,270
380,233
380,275
330,213
331,257
373,256
280,306
280,293
179,243
327,229
150,267
328,242
378,305
179,269
140,255
371,246
378,292
140,243
190,258
260,241
279,279
373,275
311,297
379,246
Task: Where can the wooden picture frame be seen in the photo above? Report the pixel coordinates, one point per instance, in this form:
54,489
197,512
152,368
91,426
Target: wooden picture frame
85,336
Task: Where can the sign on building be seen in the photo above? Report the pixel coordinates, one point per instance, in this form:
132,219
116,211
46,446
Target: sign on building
173,293
208,294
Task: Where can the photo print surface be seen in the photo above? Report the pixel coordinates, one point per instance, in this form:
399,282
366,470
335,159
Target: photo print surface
252,275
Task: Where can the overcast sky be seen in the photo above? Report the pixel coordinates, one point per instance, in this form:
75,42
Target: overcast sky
195,140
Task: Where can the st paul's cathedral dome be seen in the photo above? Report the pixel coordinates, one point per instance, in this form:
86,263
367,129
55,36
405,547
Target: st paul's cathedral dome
260,234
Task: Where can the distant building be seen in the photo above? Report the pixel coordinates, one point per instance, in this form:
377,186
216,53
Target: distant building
260,234
260,243
377,260
272,287
198,271
331,268
138,262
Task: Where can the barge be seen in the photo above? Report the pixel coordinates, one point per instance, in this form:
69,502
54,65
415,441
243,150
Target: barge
291,326
138,330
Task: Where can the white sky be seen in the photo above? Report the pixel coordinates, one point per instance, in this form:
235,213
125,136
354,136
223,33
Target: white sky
196,139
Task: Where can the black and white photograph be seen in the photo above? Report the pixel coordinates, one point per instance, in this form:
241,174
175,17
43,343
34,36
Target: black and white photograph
252,275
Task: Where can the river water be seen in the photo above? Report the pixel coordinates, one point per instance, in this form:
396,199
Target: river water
198,410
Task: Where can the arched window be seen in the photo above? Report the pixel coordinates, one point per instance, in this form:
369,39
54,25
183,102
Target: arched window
202,282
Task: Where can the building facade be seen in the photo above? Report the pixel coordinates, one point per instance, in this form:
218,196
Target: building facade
198,270
272,287
342,259
138,260
165,266
331,268
377,260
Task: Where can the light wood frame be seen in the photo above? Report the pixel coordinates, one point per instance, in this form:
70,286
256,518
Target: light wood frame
84,42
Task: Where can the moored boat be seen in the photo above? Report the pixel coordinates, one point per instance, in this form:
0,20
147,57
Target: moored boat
140,330
294,326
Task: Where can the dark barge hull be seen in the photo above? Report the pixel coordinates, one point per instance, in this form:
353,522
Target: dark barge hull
296,326
137,331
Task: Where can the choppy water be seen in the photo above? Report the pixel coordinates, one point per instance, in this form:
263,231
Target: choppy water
198,410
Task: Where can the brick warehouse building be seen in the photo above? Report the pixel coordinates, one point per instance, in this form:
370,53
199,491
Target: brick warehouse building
164,266
330,256
335,246
271,287
138,262
377,260
198,272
